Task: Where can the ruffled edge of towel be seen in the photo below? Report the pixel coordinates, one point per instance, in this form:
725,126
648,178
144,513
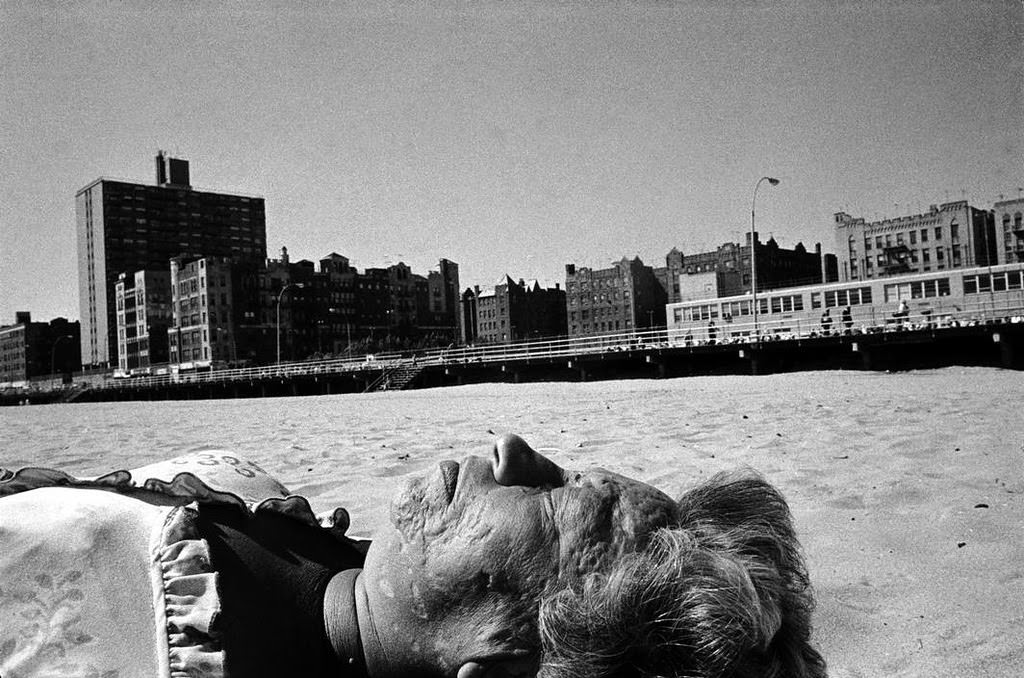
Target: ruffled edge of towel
184,488
186,600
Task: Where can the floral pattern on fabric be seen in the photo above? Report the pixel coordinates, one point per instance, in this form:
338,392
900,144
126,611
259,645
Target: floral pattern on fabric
137,542
48,603
76,573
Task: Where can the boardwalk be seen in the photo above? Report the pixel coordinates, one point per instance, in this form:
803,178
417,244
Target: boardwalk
652,354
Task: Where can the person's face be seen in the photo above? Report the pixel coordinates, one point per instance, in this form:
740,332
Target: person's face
472,546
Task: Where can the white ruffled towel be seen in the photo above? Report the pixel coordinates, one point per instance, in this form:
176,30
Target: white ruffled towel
108,578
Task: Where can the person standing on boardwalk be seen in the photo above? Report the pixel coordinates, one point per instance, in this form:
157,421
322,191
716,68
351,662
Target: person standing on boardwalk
847,320
901,313
826,322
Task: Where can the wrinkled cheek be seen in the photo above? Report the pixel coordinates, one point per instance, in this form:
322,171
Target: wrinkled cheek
407,511
430,596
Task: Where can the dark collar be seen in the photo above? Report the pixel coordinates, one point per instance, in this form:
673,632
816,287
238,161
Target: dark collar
342,625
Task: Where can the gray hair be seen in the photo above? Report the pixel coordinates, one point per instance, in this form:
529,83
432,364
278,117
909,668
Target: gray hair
723,593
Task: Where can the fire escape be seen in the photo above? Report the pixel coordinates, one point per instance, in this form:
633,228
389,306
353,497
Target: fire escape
897,259
1017,253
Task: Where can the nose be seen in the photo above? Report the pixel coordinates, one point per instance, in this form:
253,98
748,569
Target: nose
516,463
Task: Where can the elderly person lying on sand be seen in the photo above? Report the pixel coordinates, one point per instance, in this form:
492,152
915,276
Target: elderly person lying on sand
490,567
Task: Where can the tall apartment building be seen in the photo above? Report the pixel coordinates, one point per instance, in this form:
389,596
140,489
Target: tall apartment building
143,304
951,235
124,227
1008,218
625,296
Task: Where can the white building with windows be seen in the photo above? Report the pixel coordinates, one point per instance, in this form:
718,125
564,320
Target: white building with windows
143,306
203,328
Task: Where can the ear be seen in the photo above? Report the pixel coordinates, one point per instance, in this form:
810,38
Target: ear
517,667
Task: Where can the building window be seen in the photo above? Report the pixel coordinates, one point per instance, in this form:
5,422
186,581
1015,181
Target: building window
938,232
913,237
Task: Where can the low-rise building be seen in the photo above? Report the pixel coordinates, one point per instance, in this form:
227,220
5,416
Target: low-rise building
35,349
337,309
777,268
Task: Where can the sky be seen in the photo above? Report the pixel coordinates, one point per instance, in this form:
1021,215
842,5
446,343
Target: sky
509,137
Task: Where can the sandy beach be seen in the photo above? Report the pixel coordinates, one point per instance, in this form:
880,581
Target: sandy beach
907,489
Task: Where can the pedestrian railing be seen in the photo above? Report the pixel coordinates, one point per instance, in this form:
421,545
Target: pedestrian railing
379,366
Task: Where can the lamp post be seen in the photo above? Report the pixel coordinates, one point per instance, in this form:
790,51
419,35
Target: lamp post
177,344
53,351
753,253
278,333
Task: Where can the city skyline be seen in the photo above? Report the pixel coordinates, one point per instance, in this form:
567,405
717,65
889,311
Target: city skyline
509,139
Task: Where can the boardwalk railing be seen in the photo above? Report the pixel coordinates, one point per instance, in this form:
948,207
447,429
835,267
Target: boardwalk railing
736,331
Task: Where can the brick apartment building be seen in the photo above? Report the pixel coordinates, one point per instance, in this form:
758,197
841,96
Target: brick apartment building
513,311
625,296
1008,221
950,235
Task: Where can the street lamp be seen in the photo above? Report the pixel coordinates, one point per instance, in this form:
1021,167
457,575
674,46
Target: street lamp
753,252
279,295
53,351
